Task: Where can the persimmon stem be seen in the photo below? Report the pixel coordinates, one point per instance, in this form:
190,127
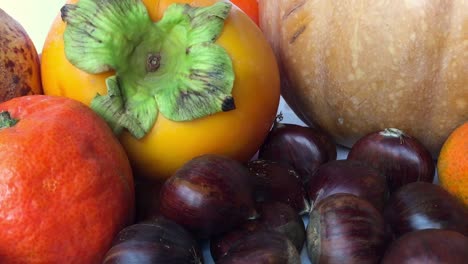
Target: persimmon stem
172,67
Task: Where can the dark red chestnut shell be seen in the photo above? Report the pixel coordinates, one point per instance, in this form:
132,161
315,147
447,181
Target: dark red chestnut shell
422,205
266,247
275,181
428,246
208,195
154,241
274,216
304,148
348,176
146,198
344,228
400,157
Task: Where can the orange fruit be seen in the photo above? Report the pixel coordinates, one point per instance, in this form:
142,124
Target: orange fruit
169,144
66,185
452,165
250,7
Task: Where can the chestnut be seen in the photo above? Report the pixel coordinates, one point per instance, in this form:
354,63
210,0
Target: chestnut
428,246
401,158
344,228
348,176
208,195
146,198
266,247
304,148
274,181
422,205
154,241
274,216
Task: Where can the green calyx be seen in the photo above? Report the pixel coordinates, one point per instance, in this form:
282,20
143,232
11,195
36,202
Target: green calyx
172,66
6,120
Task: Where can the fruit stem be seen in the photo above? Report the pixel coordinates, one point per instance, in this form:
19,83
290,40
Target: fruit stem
172,66
6,120
393,133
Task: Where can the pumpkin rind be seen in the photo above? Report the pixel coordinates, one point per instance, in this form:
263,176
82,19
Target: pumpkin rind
355,67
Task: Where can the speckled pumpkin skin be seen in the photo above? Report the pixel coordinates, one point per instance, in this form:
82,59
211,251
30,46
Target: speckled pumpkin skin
355,67
19,61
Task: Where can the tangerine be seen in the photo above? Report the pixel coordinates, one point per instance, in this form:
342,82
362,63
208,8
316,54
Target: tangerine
452,165
66,186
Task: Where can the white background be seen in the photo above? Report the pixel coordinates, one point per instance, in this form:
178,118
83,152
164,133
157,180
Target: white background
36,16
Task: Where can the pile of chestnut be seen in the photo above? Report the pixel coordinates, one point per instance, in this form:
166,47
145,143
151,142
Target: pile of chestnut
379,205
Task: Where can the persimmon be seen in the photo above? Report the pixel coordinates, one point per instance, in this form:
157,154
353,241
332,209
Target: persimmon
452,165
66,186
185,88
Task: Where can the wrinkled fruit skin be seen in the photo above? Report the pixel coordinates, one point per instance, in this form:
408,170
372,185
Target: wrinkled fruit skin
237,133
66,186
19,61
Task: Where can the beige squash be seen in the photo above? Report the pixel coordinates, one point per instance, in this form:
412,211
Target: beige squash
353,67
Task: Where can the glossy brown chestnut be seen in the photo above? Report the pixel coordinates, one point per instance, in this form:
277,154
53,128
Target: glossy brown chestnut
208,195
275,181
155,241
422,205
428,246
400,157
266,247
348,176
274,216
304,148
344,228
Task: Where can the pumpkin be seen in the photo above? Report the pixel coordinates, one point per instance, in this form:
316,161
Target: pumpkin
66,186
353,67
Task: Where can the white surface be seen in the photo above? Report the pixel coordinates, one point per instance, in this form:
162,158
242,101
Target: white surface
36,16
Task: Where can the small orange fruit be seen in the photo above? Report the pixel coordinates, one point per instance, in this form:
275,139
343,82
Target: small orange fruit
66,185
452,166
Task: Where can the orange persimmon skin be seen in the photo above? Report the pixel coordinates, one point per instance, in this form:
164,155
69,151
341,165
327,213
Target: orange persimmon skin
236,134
